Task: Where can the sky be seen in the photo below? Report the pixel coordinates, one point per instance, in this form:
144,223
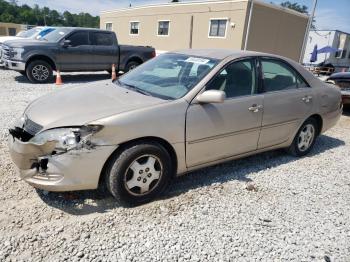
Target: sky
330,14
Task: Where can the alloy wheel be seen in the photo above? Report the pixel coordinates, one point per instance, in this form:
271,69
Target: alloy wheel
143,175
40,72
306,137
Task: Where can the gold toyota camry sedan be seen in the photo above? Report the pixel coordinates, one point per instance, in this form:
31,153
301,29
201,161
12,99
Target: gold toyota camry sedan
178,112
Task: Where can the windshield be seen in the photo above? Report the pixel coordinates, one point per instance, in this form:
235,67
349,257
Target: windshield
29,33
43,33
168,76
56,35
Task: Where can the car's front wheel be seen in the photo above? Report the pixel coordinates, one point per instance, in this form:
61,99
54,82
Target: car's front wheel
305,138
39,71
139,173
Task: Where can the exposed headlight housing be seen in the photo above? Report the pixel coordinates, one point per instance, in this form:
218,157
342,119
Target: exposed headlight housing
66,138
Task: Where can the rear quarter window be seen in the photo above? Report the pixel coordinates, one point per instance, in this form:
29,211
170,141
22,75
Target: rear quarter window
102,39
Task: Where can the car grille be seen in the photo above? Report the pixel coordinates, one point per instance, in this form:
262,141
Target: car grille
31,127
6,52
1,51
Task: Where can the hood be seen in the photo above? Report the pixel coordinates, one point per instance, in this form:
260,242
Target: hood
341,75
8,38
81,105
23,42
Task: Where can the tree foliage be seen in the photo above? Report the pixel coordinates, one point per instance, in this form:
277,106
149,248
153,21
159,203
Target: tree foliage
295,6
299,8
11,12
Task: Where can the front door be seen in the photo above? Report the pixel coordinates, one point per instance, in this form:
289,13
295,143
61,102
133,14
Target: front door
287,102
219,131
76,56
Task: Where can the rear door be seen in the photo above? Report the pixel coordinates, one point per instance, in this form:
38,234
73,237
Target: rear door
104,49
288,101
76,56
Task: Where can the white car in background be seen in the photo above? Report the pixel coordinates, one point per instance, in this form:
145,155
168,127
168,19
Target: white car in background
34,33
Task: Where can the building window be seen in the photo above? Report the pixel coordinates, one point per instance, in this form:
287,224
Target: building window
109,26
12,31
163,27
341,46
217,28
343,55
134,28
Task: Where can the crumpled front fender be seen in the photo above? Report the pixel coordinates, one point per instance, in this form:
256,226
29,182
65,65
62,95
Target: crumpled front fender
25,154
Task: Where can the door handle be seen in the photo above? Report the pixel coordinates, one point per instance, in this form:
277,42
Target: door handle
255,108
307,99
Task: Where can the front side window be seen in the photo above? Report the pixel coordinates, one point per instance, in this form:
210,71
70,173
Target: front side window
78,39
236,79
163,27
217,27
168,76
101,39
134,28
278,76
109,26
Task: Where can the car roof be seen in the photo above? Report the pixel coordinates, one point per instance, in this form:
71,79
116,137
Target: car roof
222,53
88,29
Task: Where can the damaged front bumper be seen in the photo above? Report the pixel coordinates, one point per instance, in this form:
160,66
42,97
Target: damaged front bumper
43,168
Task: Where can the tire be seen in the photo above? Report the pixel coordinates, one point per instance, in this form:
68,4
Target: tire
137,168
305,138
39,71
131,65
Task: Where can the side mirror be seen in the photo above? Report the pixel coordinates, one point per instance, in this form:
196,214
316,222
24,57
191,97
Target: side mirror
211,96
66,43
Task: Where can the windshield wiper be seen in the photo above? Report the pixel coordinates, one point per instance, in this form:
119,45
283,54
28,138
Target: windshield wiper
132,87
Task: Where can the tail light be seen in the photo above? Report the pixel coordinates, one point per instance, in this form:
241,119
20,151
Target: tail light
154,53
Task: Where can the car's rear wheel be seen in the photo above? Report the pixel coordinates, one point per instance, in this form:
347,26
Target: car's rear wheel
39,71
139,173
131,65
305,138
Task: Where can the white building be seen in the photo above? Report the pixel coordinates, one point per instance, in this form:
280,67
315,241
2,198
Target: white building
334,38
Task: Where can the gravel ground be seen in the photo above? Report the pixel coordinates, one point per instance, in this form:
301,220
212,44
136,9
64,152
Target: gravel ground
269,207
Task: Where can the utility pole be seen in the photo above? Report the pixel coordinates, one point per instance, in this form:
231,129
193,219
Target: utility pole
311,19
248,25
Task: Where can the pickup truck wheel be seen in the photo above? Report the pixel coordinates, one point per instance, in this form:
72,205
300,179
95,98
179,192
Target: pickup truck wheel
131,65
139,173
39,71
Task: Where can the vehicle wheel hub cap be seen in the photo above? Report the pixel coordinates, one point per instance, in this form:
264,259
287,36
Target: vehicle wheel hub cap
143,175
306,137
40,72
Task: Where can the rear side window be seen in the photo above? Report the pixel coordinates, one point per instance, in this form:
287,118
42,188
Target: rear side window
78,39
277,76
104,39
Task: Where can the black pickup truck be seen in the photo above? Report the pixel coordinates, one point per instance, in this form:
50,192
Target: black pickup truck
69,50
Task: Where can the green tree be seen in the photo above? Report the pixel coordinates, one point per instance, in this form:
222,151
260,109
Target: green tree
299,8
295,6
10,11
